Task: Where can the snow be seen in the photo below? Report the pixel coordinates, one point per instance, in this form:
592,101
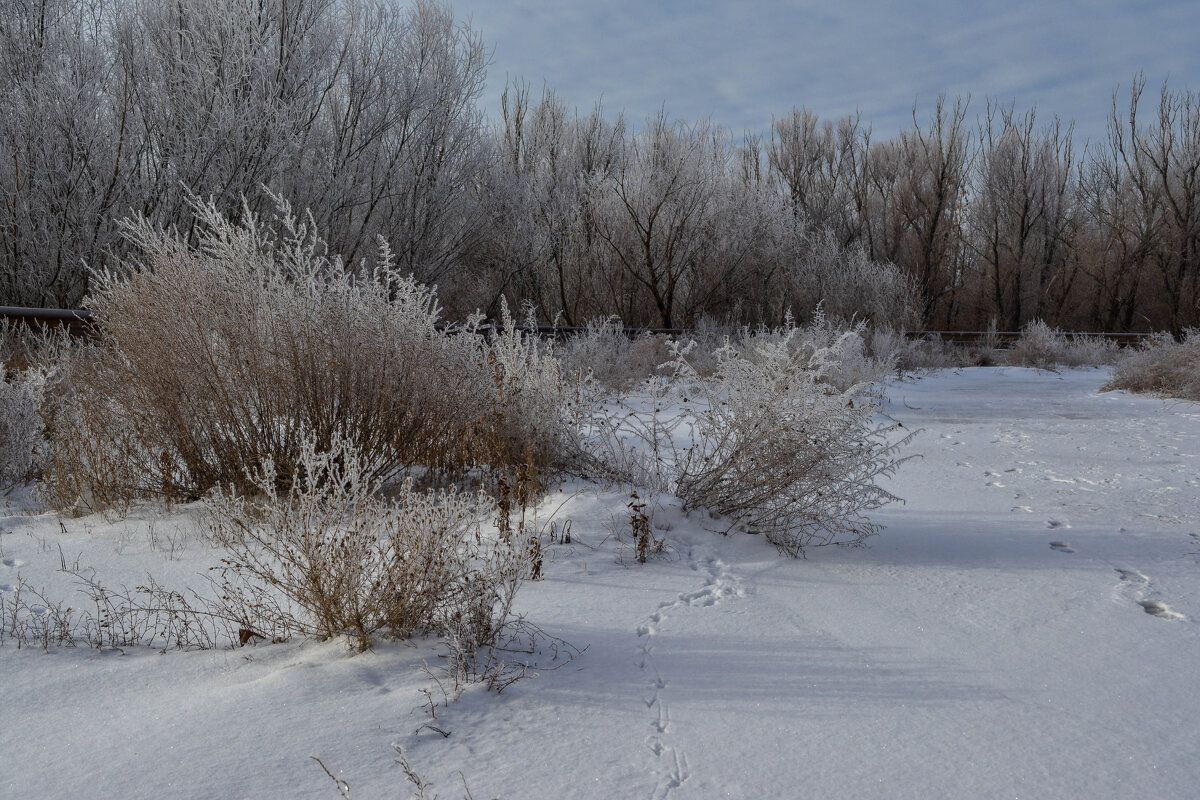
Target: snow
1023,627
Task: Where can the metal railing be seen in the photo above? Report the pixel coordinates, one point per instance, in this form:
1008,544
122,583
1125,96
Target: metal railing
79,320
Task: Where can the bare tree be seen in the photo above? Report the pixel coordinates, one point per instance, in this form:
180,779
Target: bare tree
933,170
404,143
1143,201
815,165
659,213
1167,157
222,91
542,246
61,156
1021,216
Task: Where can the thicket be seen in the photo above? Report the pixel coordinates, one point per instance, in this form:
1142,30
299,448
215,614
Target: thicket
1043,347
339,539
1163,366
365,467
779,444
366,112
359,538
331,556
215,356
359,459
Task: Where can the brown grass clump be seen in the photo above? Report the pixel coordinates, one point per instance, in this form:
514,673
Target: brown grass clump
329,556
1162,366
220,352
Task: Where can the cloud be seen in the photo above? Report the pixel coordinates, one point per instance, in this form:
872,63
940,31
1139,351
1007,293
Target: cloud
743,63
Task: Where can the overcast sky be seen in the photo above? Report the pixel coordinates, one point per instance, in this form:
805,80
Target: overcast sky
742,63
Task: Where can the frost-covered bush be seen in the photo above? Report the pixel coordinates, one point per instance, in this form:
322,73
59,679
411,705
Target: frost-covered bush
834,353
1161,366
97,459
779,450
890,346
217,353
1090,351
614,359
531,425
1043,347
223,353
1039,346
776,432
329,556
846,283
20,424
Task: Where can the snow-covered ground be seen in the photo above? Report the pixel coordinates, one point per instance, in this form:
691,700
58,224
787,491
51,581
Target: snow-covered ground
1024,627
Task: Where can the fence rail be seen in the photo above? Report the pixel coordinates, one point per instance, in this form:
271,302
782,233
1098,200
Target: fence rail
79,322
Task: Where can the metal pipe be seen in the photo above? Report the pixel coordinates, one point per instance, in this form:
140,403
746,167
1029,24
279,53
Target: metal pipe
79,321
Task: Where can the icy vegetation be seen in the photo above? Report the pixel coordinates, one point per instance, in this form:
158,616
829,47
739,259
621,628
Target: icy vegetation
279,525
1032,599
263,458
366,470
1162,366
368,112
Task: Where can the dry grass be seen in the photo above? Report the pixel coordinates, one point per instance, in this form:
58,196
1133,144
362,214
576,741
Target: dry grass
329,556
1043,347
1163,366
217,356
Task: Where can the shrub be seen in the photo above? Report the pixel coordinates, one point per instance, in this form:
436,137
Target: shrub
834,353
216,357
1039,346
1161,366
779,437
890,346
531,426
97,457
329,556
20,424
1043,347
1090,351
223,354
845,282
782,453
614,359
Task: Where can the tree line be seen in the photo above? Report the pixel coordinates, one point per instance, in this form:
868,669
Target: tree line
367,113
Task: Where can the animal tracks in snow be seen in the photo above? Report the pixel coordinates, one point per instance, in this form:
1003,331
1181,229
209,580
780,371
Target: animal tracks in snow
995,477
661,723
1136,583
1132,576
676,775
671,766
1026,476
1141,585
1060,546
1159,609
